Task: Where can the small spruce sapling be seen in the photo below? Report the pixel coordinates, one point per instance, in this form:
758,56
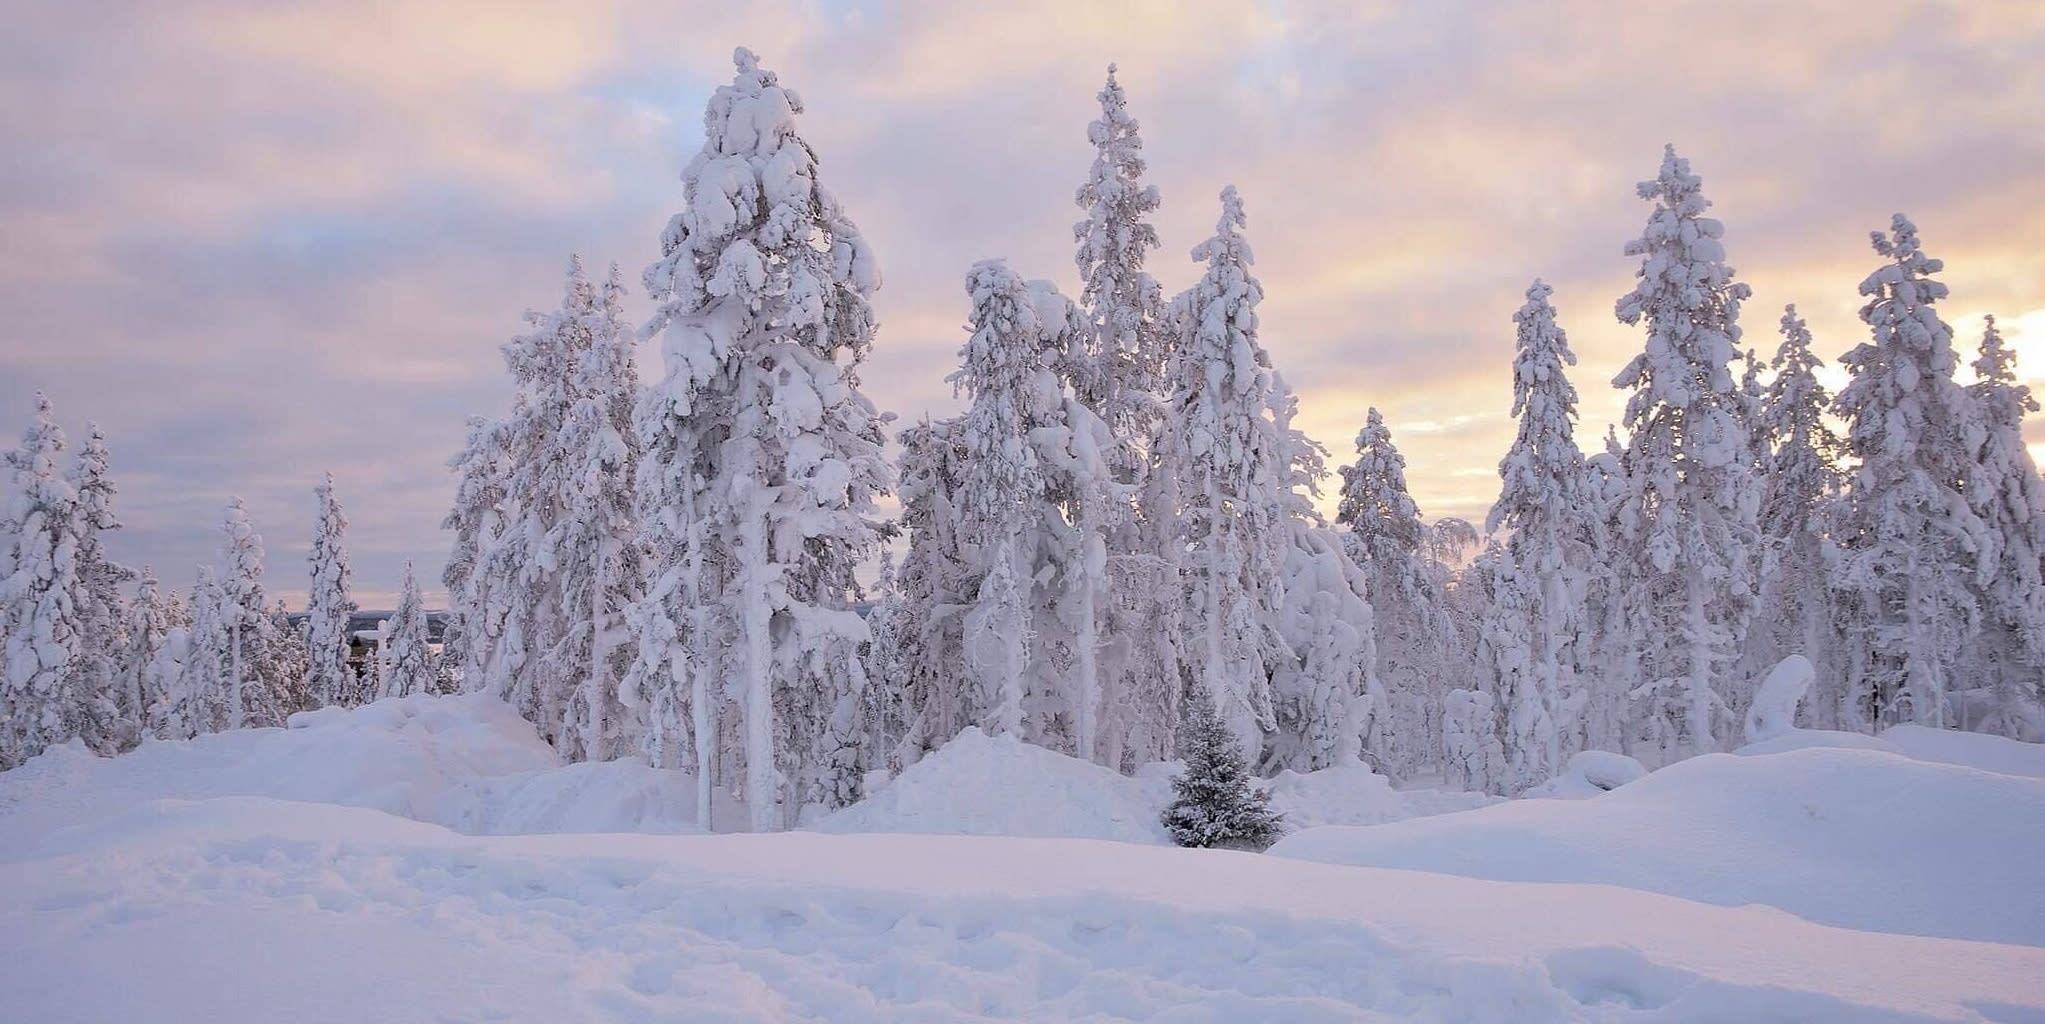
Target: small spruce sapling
1216,805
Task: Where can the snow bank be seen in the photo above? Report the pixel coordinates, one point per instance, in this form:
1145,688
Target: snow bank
1355,795
1940,746
998,786
1857,838
469,763
246,909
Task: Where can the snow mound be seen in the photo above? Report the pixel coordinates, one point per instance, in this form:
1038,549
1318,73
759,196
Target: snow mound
1979,751
1589,773
1856,838
1000,786
469,763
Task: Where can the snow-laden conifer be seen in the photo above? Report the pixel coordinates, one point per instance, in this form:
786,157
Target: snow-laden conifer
1238,470
759,430
1544,513
329,678
2009,496
1691,531
1801,481
39,616
1326,698
150,662
1216,804
1386,538
408,657
251,692
531,565
1911,542
105,722
196,701
923,654
596,543
1118,374
1036,491
475,576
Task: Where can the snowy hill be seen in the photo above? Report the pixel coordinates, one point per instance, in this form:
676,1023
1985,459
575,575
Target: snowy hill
355,867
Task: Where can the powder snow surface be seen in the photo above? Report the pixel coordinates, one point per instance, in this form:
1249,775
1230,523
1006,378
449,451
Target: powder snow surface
223,880
1864,839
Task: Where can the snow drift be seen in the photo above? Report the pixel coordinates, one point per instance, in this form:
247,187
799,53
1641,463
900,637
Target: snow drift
1856,838
469,763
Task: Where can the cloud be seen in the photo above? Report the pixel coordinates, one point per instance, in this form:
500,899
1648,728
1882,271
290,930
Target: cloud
258,242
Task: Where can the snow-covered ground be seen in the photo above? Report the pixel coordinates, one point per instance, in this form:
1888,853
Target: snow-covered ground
362,866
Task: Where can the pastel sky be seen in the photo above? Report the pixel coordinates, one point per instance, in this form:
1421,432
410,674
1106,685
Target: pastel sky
258,241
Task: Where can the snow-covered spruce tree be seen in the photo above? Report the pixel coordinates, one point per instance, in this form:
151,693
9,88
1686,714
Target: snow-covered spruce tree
1117,374
2009,496
1034,491
1506,645
1239,466
254,691
1911,544
759,430
474,576
924,657
329,678
532,566
1326,697
196,701
39,619
1799,484
281,657
1386,538
407,654
1216,804
1544,511
1615,604
150,662
1694,498
108,724
596,544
